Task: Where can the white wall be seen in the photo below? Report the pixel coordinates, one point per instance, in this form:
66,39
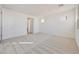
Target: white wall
15,24
56,24
77,25
36,25
77,38
0,24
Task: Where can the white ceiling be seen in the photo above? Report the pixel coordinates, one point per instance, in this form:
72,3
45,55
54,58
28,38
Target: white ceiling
38,10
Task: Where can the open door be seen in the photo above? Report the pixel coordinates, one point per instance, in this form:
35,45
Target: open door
29,25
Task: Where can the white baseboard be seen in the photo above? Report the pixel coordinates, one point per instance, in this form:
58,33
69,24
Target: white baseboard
4,38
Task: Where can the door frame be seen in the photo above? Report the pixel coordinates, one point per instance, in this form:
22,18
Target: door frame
30,19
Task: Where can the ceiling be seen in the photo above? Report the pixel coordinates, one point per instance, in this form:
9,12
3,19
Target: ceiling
38,10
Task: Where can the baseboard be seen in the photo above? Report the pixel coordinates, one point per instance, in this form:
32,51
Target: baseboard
58,35
13,37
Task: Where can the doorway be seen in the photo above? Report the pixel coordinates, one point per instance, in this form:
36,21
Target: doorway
29,25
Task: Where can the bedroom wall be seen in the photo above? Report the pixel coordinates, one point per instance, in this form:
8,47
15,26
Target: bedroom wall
77,25
56,24
36,24
0,24
15,24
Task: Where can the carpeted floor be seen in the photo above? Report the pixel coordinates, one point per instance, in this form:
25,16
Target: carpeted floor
39,44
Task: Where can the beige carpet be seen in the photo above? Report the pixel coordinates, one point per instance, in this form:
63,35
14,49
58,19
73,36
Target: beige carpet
39,44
